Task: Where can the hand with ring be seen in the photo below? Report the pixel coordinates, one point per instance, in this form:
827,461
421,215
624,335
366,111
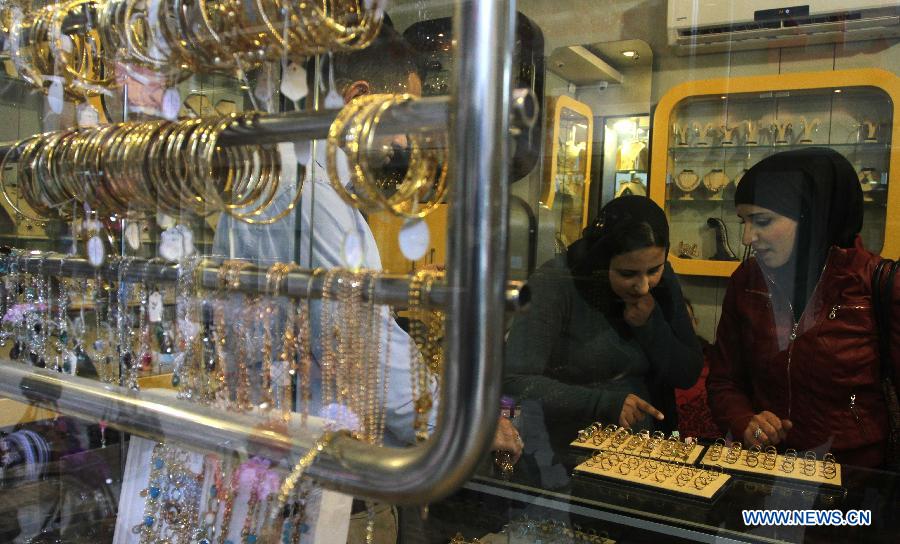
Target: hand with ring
507,438
766,429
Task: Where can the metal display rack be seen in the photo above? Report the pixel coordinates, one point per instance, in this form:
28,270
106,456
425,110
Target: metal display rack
481,111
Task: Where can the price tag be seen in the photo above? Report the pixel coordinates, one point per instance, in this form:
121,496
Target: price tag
55,98
414,239
171,103
155,307
133,235
293,81
170,245
96,252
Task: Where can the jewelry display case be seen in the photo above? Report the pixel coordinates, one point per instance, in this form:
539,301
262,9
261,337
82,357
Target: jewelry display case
706,134
567,182
626,154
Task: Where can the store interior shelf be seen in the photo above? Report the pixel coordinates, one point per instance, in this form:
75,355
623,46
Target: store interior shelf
718,150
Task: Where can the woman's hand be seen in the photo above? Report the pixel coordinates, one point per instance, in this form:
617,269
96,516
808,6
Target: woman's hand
634,409
507,439
638,310
766,429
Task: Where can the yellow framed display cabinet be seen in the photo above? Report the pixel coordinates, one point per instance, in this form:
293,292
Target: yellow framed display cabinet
707,133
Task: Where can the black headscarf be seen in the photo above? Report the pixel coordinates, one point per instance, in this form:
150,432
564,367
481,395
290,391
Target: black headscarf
818,188
625,224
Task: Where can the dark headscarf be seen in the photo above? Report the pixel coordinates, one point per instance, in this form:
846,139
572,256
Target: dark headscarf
818,188
625,224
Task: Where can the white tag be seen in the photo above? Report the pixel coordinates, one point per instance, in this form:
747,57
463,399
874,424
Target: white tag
87,115
133,235
96,252
171,103
352,250
293,81
170,245
155,307
414,239
55,99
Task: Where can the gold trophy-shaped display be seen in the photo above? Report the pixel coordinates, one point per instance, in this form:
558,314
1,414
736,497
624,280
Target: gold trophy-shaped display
751,132
681,134
783,131
805,130
869,129
729,134
701,134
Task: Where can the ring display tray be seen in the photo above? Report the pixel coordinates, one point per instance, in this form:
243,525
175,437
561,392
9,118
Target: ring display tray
664,476
778,469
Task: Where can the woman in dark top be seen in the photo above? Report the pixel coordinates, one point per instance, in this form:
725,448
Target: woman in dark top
607,337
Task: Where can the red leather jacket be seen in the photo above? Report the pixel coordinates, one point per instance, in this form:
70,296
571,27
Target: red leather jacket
822,374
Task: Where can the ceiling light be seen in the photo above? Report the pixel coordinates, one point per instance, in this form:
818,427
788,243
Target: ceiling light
838,90
630,53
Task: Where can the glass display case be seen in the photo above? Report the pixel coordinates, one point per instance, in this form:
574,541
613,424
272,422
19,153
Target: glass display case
713,131
626,155
567,183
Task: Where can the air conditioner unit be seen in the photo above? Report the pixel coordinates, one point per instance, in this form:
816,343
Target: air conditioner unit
712,26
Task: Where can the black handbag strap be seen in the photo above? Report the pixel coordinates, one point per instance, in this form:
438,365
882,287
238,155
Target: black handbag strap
882,301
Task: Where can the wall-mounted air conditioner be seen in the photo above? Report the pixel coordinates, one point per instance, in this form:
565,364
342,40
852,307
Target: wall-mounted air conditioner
711,26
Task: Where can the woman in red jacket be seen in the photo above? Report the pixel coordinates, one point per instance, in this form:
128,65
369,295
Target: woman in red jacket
795,363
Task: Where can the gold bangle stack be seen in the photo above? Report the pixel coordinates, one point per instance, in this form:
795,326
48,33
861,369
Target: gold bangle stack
174,36
354,133
41,48
170,167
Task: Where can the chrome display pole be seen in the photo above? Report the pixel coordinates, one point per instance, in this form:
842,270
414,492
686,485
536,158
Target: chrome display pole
476,273
427,114
389,289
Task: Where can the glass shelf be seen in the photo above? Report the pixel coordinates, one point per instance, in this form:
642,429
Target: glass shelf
769,148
